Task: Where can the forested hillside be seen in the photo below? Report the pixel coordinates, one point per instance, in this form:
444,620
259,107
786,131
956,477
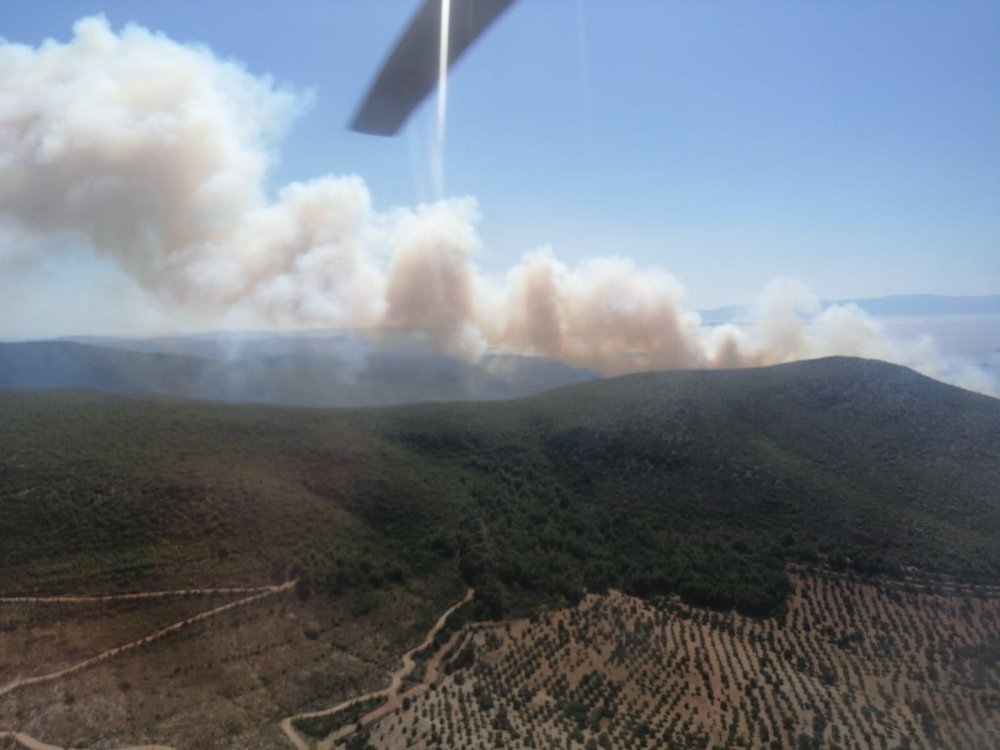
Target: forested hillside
700,483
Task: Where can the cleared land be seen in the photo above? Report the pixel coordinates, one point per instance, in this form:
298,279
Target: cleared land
330,724
852,665
220,681
147,638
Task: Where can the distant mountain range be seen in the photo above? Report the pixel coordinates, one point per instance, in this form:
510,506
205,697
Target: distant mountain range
894,306
319,369
340,367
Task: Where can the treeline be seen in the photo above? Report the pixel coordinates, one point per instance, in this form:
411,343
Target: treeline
661,485
524,535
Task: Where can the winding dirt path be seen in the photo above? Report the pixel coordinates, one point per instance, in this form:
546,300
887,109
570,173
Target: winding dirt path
396,701
391,693
156,635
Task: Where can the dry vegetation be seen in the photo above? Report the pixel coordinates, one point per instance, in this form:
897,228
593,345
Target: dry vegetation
221,683
852,665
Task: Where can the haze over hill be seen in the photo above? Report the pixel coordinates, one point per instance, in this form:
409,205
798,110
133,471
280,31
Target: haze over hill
358,368
960,334
897,305
318,369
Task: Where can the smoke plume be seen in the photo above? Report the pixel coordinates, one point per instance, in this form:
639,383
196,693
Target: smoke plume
152,155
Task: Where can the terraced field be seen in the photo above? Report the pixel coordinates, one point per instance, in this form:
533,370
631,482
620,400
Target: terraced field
851,665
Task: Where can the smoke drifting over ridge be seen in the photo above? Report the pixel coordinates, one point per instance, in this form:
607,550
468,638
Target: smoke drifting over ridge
152,155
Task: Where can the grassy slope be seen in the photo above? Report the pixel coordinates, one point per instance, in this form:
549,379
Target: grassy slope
698,482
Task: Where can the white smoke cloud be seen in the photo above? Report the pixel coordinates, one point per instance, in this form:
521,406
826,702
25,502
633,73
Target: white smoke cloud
152,150
152,155
789,322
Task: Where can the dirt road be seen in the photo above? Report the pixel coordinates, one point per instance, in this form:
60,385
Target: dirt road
395,701
62,599
26,740
390,693
105,655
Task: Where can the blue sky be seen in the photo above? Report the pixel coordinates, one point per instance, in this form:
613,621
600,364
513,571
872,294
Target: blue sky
854,146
